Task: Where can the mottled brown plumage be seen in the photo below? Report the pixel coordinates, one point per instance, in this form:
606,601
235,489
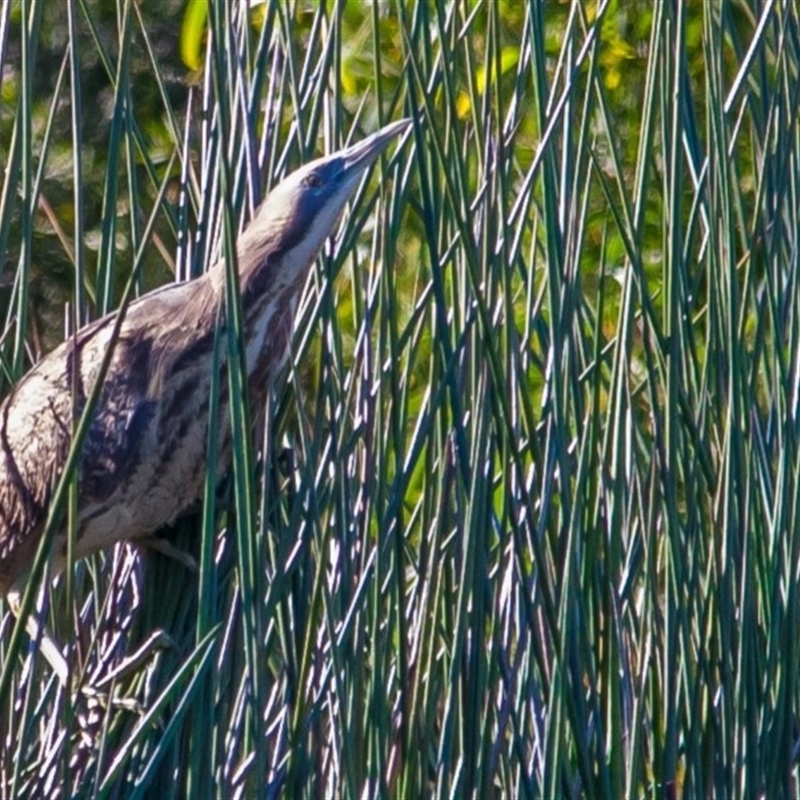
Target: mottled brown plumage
143,462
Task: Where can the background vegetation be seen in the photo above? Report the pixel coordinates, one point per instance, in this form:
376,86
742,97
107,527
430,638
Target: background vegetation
525,519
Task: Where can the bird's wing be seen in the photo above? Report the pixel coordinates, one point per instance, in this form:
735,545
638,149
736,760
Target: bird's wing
36,423
34,441
36,418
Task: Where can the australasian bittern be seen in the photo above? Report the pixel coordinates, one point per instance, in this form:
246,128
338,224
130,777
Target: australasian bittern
144,458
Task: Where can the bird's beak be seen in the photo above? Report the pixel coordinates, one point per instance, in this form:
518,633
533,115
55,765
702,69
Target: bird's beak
357,158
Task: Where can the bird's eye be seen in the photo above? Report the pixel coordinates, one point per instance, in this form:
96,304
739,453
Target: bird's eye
312,181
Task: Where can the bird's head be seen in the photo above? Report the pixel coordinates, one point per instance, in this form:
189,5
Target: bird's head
301,212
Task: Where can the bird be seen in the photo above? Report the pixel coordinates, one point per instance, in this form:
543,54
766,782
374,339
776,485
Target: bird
143,460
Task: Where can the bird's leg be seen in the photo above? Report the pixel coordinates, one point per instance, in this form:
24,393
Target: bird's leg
157,640
38,632
103,679
169,550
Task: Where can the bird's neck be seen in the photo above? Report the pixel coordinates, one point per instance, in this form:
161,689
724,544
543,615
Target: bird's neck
270,289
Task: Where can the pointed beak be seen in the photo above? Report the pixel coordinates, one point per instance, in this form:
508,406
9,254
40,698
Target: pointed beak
357,158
